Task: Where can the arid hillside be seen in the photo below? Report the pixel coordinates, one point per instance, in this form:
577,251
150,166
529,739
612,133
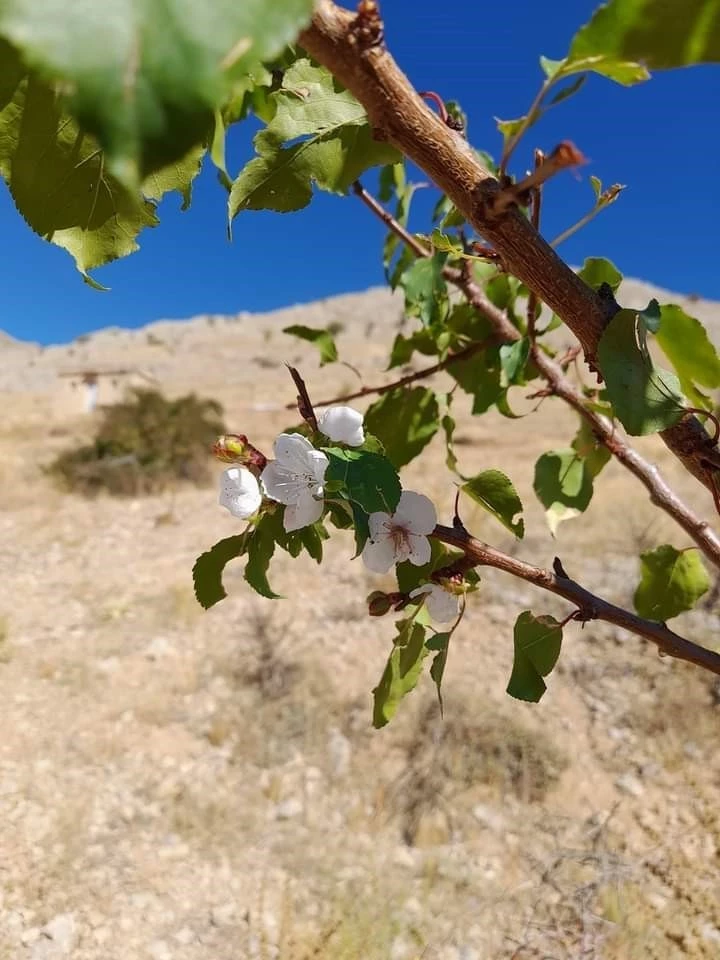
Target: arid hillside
186,785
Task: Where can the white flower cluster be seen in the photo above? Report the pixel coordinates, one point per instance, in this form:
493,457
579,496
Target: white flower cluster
296,478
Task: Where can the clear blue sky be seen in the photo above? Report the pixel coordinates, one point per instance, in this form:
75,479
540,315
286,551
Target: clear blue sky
660,138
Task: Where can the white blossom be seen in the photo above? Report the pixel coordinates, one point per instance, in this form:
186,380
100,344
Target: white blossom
402,536
442,605
239,492
295,477
343,425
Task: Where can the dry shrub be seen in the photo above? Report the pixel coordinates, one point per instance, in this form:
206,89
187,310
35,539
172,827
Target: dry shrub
143,446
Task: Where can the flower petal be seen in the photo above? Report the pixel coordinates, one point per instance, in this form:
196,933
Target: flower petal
239,492
282,484
302,513
442,605
379,555
378,525
318,464
415,512
293,450
419,552
343,425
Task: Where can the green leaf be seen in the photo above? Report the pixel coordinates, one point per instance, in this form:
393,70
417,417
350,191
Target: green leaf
403,347
513,358
369,478
401,673
496,493
563,485
550,67
597,270
59,180
361,527
448,425
146,78
537,643
660,34
439,642
595,455
509,128
409,576
405,420
322,339
625,72
445,244
481,376
261,547
568,91
208,570
685,343
645,398
672,581
319,133
425,290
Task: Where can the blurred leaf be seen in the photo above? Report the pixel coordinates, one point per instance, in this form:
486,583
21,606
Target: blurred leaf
685,343
672,581
424,341
331,145
645,398
425,289
438,642
208,570
661,34
625,72
401,673
595,455
146,78
563,484
513,358
369,478
480,376
537,648
405,420
496,493
597,270
322,339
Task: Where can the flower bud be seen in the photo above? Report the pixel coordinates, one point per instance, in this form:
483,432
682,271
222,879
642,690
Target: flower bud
379,603
235,448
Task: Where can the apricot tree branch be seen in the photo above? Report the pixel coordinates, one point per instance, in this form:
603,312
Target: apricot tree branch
589,606
356,56
661,494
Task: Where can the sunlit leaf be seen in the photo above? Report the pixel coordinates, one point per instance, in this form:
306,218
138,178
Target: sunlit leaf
208,569
672,581
563,485
405,420
401,673
370,479
319,134
645,398
496,494
537,642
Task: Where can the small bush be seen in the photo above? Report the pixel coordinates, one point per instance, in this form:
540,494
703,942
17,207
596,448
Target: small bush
144,445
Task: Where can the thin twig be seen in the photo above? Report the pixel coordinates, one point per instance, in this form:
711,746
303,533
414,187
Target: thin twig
589,605
661,494
604,201
463,354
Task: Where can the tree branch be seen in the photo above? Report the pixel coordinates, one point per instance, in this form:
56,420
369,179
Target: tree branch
661,494
355,55
590,606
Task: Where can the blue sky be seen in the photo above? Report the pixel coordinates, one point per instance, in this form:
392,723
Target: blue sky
660,138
